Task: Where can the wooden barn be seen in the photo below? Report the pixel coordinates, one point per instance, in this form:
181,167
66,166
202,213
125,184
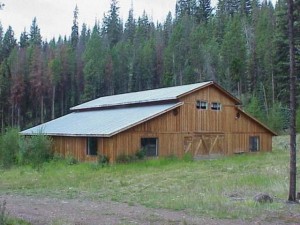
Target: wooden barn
201,119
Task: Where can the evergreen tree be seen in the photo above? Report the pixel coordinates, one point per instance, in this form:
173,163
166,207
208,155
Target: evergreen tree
24,40
203,11
130,27
75,29
94,66
112,25
9,43
35,34
233,52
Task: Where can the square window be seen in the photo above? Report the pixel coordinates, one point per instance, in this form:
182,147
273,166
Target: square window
201,104
216,106
92,144
150,145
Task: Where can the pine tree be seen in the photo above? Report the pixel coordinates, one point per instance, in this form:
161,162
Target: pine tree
9,43
112,26
24,40
203,11
35,34
75,29
94,66
233,53
130,27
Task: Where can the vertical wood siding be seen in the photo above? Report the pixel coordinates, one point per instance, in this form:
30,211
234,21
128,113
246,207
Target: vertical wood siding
205,131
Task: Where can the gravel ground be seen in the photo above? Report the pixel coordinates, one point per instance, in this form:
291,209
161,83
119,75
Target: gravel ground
44,211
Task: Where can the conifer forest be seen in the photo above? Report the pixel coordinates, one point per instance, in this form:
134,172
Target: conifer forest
240,44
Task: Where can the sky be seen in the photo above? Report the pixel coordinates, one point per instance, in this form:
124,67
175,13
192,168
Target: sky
55,17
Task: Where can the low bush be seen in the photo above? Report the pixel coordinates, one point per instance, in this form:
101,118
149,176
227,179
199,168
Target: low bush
36,150
16,149
10,144
123,158
188,157
140,154
103,160
70,160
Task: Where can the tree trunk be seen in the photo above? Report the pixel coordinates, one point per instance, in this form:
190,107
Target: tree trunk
293,165
53,103
42,109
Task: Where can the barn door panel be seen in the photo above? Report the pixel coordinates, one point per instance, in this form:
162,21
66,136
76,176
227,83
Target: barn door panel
204,144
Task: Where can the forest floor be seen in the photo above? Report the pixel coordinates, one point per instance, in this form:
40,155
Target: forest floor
44,211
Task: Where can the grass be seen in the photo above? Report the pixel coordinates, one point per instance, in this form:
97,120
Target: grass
222,188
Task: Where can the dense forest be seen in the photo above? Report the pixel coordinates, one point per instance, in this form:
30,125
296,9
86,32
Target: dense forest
241,44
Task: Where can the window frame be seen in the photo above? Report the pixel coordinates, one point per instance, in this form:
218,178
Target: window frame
92,141
218,106
254,143
144,146
201,103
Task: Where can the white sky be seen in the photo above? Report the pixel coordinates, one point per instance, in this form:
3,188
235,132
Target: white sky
55,17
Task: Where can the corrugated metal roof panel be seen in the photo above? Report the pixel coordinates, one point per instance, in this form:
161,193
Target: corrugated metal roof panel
155,95
101,123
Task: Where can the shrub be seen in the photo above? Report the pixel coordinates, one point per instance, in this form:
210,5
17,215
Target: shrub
188,157
140,154
36,150
70,160
126,158
103,160
9,147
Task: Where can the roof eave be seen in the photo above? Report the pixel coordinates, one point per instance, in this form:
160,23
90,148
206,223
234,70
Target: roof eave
257,121
237,101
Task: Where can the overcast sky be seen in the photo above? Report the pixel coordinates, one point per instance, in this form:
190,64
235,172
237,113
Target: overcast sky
54,17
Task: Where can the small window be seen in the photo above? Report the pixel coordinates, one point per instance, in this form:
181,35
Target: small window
201,105
91,146
215,106
254,143
150,145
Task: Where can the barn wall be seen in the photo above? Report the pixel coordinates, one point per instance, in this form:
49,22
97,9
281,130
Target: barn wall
75,147
218,132
185,129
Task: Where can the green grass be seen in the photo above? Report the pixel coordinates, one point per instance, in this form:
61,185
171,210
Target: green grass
222,188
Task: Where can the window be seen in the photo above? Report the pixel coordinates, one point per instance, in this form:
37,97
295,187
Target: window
254,143
91,146
201,105
150,145
215,106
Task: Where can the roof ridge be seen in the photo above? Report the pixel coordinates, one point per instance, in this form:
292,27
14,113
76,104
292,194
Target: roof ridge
146,96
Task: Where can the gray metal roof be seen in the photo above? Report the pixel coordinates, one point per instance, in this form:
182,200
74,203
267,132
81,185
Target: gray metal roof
100,123
155,95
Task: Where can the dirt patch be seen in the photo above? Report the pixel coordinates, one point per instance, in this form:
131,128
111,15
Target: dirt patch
42,211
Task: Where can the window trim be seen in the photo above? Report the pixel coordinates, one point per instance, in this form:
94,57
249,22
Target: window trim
217,108
257,140
93,152
156,145
200,106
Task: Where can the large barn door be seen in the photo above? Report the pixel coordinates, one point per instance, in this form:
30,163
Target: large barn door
200,144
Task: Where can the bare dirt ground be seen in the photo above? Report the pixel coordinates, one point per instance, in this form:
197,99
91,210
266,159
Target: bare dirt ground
44,211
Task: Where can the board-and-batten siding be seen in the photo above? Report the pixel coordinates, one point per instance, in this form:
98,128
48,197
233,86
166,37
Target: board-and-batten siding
185,129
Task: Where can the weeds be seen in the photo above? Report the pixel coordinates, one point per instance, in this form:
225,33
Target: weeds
222,188
18,150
